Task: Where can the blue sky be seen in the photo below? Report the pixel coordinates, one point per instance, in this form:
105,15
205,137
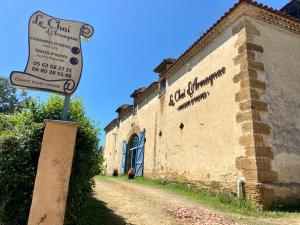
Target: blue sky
131,38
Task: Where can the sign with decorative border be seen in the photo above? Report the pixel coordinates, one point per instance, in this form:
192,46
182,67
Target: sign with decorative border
55,55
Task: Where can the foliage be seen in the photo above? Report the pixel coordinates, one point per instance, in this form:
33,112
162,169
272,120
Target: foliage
101,160
115,172
131,171
9,99
20,143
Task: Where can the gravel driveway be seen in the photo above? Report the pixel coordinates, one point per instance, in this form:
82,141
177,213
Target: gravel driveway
147,205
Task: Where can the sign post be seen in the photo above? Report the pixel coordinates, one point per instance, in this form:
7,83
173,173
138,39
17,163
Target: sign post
65,108
55,65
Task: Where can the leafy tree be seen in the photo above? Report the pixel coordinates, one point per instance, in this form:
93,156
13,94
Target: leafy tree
9,99
20,143
101,159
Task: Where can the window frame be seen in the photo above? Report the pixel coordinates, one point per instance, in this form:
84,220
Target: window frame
163,87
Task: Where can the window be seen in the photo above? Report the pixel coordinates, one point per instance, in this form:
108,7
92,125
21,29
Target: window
163,86
135,106
131,152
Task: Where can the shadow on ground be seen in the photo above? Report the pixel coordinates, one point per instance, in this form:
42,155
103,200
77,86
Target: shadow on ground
97,213
289,208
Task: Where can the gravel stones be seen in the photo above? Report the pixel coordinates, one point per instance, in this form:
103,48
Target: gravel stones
199,217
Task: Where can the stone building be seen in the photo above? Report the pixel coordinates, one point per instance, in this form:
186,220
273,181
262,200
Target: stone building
225,114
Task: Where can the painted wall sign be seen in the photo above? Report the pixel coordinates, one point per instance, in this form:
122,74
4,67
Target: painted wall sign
192,88
55,56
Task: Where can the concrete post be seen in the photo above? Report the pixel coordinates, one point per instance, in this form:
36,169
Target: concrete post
52,179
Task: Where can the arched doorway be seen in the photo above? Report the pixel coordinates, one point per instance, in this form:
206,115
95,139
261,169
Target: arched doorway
131,152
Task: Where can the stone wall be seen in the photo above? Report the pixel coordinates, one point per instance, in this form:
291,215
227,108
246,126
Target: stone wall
205,148
269,111
256,164
231,110
281,59
110,151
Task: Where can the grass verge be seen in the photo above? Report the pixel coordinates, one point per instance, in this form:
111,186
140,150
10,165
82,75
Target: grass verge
225,202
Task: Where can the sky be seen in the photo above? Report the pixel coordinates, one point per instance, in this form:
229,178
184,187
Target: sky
131,38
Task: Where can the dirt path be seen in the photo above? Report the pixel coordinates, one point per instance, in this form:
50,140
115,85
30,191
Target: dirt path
145,205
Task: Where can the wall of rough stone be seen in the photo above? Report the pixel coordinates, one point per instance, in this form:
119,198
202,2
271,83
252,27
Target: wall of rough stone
282,69
243,124
146,118
110,153
255,165
281,59
131,124
269,111
206,147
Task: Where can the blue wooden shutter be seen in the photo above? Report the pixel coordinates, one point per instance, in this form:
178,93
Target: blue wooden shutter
123,157
139,163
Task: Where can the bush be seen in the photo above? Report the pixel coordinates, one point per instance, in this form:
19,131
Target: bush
20,143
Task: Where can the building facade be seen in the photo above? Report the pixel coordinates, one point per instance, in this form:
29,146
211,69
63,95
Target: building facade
225,114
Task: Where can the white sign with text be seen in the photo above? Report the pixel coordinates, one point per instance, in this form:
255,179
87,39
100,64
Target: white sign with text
55,54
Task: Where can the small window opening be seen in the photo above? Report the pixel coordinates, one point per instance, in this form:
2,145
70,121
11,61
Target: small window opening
135,106
163,86
181,126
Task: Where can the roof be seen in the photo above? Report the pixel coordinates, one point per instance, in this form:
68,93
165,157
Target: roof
165,64
122,108
180,59
292,9
147,91
137,92
111,124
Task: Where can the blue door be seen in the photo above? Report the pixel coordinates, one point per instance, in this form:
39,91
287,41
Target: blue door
123,157
139,162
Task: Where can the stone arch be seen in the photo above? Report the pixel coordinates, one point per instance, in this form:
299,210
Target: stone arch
135,129
134,132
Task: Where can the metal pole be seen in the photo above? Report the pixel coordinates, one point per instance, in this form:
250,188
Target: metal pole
66,107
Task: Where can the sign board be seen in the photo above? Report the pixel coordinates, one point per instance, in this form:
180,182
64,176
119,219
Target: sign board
192,89
55,55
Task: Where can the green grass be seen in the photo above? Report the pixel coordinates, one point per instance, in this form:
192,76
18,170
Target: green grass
225,202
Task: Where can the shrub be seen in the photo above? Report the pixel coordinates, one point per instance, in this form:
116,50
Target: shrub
131,173
20,143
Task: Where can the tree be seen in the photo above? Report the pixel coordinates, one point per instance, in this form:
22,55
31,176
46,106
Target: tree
20,143
9,99
101,159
